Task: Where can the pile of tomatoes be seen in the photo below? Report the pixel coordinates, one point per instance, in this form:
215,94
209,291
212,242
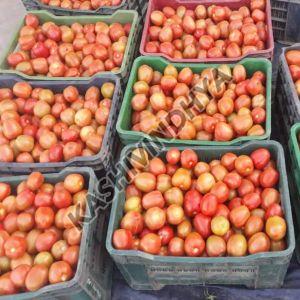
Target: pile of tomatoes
81,4
69,51
40,234
208,32
40,126
218,104
293,60
182,206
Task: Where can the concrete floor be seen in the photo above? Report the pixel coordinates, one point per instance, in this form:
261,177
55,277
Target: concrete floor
11,13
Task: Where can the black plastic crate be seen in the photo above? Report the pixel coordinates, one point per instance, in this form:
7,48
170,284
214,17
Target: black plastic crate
285,20
93,276
100,162
286,95
138,5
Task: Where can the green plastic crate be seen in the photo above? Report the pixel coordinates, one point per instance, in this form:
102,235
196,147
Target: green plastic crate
121,16
157,63
144,271
295,154
93,276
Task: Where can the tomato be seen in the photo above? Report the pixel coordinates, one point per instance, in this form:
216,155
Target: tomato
228,161
176,247
215,246
145,181
202,224
5,190
244,165
293,57
60,271
18,275
233,180
208,204
194,244
7,286
71,255
222,210
274,210
259,242
3,237
122,239
155,218
276,228
15,247
221,191
150,243
254,177
260,158
188,158
44,217
157,166
62,198
246,187
269,177
25,199
173,156
45,241
237,245
166,233
220,225
191,204
252,200
239,216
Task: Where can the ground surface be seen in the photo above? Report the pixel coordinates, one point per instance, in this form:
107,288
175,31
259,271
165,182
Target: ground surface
11,12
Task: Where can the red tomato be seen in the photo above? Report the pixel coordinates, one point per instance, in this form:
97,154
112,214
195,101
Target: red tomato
202,225
209,204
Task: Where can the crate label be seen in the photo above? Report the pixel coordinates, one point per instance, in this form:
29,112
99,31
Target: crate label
92,289
204,273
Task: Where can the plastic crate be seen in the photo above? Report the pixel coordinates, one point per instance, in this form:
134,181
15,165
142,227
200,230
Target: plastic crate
29,4
285,20
286,95
101,161
93,276
295,153
295,179
124,121
190,4
145,271
137,5
121,16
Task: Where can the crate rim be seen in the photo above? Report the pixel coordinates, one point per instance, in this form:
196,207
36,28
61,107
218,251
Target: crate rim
225,259
235,141
270,50
104,18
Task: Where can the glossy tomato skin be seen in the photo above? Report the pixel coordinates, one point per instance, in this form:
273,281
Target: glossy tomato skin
209,204
202,225
239,216
122,239
269,177
252,200
166,233
260,158
194,244
191,204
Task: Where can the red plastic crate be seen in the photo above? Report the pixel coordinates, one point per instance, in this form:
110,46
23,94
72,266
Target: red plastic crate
233,4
